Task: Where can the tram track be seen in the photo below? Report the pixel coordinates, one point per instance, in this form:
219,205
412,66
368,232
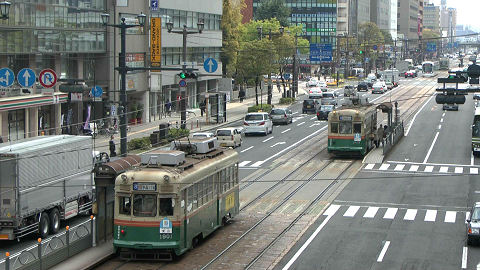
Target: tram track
281,204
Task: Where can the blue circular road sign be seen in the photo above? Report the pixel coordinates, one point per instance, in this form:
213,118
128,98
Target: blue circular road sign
6,77
26,77
182,83
97,91
210,65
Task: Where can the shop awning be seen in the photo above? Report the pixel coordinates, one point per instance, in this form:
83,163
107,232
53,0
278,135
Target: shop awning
21,102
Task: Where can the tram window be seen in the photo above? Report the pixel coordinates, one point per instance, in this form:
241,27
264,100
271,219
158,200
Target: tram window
334,127
476,130
345,127
124,205
145,205
166,207
357,128
199,193
209,188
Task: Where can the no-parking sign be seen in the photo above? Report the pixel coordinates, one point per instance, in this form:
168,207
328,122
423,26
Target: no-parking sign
47,78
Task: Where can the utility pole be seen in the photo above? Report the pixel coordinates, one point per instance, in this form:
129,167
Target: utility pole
337,67
295,70
345,73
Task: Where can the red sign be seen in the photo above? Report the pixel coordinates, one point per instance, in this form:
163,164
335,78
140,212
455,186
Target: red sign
47,78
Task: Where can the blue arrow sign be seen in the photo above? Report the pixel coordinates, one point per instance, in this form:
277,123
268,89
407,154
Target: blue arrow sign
97,91
26,77
6,77
210,65
375,47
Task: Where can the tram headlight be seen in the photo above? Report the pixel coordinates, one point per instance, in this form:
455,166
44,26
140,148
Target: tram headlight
124,178
166,178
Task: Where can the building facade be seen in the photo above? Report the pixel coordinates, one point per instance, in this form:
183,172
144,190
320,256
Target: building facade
65,36
393,19
408,19
380,13
431,17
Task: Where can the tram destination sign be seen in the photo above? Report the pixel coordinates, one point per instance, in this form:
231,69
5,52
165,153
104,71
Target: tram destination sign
145,186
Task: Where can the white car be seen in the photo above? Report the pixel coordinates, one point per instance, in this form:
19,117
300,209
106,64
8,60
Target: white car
259,122
202,135
229,137
322,84
312,83
379,87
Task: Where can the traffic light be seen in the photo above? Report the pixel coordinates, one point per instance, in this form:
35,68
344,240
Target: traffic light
182,75
361,52
187,75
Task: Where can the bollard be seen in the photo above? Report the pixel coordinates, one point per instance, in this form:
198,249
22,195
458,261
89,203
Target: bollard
39,248
92,228
67,239
7,260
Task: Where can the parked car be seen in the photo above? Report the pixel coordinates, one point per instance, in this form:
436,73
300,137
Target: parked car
259,122
229,137
323,111
473,224
362,86
281,116
349,90
309,106
379,88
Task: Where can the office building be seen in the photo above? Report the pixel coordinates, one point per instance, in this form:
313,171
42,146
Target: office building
380,13
408,19
431,17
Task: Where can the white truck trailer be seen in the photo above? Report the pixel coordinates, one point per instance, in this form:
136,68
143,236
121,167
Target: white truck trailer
44,180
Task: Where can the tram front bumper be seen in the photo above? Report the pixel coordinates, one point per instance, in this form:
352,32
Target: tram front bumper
146,245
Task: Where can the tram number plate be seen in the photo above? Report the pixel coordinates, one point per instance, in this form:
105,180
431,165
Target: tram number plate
357,137
166,236
229,201
144,186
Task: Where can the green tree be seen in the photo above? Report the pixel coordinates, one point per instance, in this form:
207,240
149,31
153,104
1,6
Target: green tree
231,24
429,34
369,36
387,37
269,9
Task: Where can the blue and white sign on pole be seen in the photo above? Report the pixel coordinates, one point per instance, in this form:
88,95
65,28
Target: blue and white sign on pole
431,47
26,77
321,52
97,91
6,77
210,65
154,4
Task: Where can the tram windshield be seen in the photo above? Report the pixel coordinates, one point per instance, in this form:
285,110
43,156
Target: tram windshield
166,206
345,127
145,205
427,68
476,130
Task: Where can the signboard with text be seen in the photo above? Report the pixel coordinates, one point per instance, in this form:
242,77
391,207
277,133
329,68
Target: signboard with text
321,52
156,41
135,60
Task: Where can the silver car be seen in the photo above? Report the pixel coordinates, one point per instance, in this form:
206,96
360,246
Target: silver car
281,116
473,224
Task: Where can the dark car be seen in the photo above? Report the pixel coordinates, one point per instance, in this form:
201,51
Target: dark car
323,111
362,86
309,106
473,224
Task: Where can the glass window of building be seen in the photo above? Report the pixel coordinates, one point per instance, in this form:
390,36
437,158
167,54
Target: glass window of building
16,125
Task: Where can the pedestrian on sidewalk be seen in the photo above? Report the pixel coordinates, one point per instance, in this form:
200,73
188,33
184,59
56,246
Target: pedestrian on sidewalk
241,95
374,136
168,108
111,143
381,135
202,107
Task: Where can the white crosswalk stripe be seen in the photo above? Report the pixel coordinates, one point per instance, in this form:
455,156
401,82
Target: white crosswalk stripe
371,212
443,169
458,169
413,168
243,163
369,166
431,215
384,167
410,214
421,168
473,170
399,167
351,211
390,213
428,169
450,216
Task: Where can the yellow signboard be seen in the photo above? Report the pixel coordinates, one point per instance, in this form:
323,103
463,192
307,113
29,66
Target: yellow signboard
156,41
229,201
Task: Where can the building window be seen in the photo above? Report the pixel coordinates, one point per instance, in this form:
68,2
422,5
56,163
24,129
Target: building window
16,125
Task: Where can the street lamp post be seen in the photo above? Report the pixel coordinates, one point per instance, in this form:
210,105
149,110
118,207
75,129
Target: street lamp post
185,32
123,69
4,9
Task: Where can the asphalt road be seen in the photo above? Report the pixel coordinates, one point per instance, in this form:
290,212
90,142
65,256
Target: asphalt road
408,212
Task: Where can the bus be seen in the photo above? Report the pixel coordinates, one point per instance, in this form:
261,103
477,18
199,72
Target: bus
476,133
350,129
444,64
428,69
174,199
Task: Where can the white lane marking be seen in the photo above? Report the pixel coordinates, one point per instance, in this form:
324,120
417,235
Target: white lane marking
300,124
351,211
307,243
464,257
458,169
444,169
244,163
450,216
384,167
278,143
295,144
441,120
384,250
245,150
467,217
390,213
429,169
431,148
294,112
286,130
428,163
316,124
415,116
331,210
439,126
313,118
473,170
472,159
413,168
257,164
443,114
370,166
268,139
399,167
410,214
431,215
371,212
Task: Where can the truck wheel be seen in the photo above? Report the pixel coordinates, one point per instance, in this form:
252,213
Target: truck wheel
54,220
44,225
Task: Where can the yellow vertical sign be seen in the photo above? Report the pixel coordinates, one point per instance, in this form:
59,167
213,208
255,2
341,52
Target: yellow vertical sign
229,201
156,41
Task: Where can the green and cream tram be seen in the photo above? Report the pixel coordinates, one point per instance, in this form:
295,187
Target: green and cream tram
476,133
350,129
166,206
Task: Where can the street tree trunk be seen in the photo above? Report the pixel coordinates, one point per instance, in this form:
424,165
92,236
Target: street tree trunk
269,91
256,90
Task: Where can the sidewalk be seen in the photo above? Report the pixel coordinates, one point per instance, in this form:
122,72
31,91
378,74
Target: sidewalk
235,111
87,259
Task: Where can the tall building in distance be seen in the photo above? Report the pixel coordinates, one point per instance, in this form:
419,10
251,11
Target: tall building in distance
408,18
393,18
380,13
431,17
351,14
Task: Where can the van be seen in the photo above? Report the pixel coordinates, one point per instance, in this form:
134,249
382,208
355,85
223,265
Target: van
229,137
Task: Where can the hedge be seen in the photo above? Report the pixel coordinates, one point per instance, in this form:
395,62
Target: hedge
266,108
176,133
139,143
288,100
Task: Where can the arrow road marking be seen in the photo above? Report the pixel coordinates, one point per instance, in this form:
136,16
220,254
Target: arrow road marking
278,143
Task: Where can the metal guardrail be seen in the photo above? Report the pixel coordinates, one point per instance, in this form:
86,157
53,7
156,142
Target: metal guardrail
53,250
393,138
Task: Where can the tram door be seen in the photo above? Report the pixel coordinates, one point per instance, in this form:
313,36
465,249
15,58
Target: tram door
185,214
